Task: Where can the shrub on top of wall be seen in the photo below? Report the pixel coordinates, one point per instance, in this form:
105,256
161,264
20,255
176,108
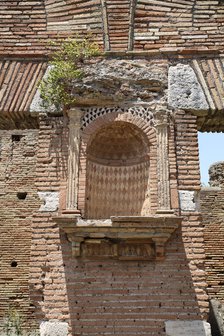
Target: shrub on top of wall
65,66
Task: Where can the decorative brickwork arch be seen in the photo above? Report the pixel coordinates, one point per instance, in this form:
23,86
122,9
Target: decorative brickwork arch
118,160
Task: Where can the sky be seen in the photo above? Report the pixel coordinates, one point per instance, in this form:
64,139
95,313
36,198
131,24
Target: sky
211,149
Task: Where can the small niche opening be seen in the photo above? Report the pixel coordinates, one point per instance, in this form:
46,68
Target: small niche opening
14,263
16,137
21,195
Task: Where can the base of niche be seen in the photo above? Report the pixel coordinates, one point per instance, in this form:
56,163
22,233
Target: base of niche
120,237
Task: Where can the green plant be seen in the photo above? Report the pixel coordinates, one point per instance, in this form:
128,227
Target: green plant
66,65
13,323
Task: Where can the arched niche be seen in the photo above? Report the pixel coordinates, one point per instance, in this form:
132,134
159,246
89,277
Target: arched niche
117,172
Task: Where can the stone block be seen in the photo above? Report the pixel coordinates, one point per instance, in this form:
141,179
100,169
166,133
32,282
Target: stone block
184,89
187,200
51,201
187,328
53,328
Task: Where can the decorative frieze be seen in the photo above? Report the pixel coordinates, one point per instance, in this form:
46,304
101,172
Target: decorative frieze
122,250
92,113
159,116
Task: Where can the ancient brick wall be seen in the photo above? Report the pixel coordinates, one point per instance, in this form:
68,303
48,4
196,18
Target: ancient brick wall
111,296
18,199
212,203
187,152
47,277
22,27
189,181
129,298
172,25
150,26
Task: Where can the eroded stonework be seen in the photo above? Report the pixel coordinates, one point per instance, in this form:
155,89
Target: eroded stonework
54,328
111,81
185,91
50,201
216,174
188,328
187,200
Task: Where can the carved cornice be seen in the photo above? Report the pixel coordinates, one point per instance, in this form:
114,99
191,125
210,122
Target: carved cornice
124,238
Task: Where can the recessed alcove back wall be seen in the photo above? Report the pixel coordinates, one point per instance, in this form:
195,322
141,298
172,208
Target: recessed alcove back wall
117,172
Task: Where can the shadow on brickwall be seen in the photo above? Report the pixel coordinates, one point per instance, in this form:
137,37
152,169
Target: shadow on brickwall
111,297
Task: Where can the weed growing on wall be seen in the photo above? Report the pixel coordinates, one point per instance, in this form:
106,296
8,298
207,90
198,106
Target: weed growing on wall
14,325
66,65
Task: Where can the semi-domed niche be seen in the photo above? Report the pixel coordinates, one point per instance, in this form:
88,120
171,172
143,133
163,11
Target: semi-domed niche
117,172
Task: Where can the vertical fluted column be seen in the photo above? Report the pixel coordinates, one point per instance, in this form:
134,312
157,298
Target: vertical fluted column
163,163
73,159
